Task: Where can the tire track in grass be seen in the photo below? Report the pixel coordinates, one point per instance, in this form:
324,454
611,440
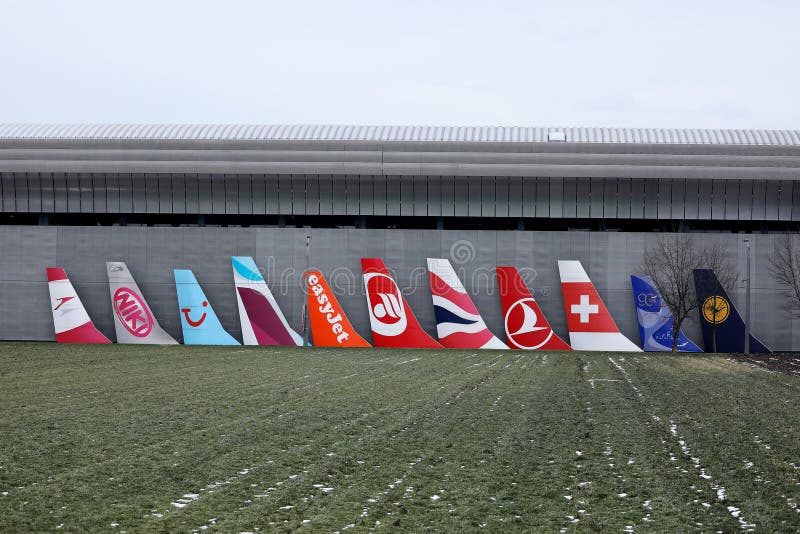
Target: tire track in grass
387,503
377,435
706,479
718,400
111,460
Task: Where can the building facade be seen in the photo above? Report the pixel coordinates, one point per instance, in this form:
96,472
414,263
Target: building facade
190,196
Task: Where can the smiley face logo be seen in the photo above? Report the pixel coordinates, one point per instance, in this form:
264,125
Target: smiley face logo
190,321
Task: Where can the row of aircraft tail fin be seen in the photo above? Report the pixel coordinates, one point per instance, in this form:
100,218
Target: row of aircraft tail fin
393,323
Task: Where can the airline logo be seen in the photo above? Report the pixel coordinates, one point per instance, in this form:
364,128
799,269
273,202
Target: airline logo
392,321
458,322
716,309
187,314
132,312
386,309
329,324
648,301
61,302
521,329
585,310
525,325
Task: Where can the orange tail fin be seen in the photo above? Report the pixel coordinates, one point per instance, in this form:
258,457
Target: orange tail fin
330,327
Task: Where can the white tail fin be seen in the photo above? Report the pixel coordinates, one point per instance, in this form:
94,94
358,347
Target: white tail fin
134,322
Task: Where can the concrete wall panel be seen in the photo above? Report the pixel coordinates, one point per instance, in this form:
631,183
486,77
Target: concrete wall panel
152,252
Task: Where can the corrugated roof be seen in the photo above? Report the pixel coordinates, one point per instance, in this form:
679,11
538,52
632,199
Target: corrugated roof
286,132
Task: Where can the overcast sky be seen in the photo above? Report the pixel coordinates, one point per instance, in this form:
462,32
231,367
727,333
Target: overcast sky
694,64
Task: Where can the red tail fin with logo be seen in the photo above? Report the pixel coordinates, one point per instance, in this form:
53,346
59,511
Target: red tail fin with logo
525,324
591,326
392,321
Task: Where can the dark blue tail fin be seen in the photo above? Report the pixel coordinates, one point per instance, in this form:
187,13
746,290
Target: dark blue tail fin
719,318
655,319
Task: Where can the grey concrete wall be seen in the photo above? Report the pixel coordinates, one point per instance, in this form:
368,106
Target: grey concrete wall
152,253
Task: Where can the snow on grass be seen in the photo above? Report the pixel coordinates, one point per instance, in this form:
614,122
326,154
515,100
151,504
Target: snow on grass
686,451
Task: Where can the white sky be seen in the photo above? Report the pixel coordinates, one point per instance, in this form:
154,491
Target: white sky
694,64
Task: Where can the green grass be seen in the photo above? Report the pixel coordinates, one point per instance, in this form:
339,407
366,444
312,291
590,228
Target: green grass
276,439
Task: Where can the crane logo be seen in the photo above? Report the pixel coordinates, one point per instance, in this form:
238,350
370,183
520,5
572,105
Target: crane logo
716,309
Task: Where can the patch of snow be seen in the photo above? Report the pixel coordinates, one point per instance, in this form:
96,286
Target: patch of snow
435,497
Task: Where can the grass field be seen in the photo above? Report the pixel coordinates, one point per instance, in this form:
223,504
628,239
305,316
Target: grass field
242,439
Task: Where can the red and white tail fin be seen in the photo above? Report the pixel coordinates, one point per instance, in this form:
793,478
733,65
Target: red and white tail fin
70,319
392,321
458,323
525,324
590,325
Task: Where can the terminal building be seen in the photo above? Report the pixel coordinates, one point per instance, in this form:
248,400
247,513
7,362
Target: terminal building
163,197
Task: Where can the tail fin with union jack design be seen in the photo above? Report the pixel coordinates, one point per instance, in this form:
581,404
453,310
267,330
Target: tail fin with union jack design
458,322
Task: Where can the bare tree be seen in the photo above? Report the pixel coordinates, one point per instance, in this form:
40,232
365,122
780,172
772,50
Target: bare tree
671,262
784,265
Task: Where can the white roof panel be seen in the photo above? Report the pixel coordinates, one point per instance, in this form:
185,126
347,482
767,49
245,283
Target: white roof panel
263,132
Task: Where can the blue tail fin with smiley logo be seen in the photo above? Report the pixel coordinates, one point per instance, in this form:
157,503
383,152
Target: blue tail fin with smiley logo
198,320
